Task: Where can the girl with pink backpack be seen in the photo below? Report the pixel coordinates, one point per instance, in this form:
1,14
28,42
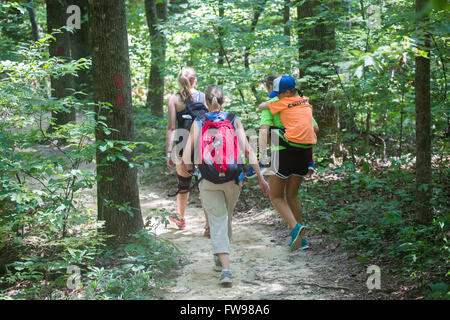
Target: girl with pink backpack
216,140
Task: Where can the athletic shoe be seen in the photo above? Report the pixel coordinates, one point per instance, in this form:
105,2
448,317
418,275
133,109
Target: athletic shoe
180,222
217,264
251,172
304,244
225,278
297,234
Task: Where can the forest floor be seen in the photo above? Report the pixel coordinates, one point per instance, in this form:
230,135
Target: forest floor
263,266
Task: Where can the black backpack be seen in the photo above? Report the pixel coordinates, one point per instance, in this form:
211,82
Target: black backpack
193,110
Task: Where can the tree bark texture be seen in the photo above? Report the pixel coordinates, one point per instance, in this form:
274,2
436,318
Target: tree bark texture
220,60
156,12
32,15
81,48
117,184
315,45
423,126
60,47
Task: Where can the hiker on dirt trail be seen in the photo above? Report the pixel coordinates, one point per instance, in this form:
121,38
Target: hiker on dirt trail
177,121
272,123
291,156
216,140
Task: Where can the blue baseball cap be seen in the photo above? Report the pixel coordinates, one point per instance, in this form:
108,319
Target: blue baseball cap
281,84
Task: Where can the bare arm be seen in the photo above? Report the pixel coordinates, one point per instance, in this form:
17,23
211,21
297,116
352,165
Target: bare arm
171,123
170,131
263,106
190,147
264,132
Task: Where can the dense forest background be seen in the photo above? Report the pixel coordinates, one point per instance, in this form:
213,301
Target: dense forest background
76,95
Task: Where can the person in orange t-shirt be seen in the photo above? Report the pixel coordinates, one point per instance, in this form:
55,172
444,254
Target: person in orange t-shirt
290,165
296,115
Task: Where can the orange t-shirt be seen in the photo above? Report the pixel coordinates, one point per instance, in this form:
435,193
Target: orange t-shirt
296,115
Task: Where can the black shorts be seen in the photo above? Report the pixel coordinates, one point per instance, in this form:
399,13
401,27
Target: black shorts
290,161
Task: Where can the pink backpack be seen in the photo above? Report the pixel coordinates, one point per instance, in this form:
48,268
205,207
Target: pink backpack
219,148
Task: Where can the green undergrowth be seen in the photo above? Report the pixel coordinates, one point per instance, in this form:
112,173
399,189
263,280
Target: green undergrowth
151,130
49,233
370,208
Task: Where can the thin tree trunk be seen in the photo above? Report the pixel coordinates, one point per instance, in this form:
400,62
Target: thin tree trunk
81,48
117,183
32,15
313,44
256,15
401,123
156,11
61,87
423,125
286,27
286,17
367,132
220,60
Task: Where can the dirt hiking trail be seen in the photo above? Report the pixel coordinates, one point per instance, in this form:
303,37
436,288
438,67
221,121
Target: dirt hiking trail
263,266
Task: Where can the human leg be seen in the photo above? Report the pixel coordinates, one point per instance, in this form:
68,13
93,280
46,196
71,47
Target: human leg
218,201
215,206
183,185
277,197
292,186
232,192
207,232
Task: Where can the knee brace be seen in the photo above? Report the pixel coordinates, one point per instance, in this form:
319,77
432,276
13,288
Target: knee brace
183,183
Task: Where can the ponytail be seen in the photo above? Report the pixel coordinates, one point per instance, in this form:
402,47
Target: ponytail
185,90
186,79
215,104
214,95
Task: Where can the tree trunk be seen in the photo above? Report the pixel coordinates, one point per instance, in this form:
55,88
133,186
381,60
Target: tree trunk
61,87
32,15
286,17
156,11
259,7
117,185
423,125
220,60
81,48
314,43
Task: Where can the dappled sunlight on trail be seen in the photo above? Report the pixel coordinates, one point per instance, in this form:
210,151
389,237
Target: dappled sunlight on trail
262,269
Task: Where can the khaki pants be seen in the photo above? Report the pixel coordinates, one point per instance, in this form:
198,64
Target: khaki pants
219,201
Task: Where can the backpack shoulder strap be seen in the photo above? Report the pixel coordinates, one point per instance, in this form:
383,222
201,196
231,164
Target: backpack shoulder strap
202,118
188,101
230,116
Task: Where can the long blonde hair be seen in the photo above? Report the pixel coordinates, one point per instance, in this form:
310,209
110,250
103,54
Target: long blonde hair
186,79
214,95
